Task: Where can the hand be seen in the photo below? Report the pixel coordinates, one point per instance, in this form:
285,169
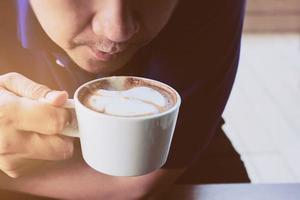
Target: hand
30,123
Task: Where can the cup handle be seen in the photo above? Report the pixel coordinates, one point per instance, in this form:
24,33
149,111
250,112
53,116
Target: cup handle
72,128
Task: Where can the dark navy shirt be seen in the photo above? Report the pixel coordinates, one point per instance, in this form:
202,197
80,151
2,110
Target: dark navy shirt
196,53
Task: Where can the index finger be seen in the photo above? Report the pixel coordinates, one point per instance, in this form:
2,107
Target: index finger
23,86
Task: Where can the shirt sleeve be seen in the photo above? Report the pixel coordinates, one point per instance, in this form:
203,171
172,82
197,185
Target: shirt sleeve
198,55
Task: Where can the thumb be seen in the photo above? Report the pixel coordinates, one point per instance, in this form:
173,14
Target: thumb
24,87
56,98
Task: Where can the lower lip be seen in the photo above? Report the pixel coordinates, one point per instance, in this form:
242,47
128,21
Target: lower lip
100,55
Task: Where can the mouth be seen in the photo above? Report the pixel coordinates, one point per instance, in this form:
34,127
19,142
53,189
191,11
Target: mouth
102,55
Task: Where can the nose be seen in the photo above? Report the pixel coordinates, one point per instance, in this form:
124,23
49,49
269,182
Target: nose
115,21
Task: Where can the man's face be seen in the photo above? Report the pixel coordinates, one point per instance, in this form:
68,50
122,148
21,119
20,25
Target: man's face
102,35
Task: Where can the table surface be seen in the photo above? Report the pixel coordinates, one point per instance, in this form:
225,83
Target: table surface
211,192
282,191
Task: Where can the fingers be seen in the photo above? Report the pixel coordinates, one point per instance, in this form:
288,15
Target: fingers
24,87
14,166
20,152
40,117
45,147
27,109
29,145
31,115
8,108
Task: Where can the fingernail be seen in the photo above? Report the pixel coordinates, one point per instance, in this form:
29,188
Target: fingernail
54,94
56,98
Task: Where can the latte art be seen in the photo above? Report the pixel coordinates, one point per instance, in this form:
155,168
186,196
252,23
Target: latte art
141,93
128,98
132,102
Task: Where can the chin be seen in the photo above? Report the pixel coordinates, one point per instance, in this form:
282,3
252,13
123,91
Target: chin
86,62
96,67
93,70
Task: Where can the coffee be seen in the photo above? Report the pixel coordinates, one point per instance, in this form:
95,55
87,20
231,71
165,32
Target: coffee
128,97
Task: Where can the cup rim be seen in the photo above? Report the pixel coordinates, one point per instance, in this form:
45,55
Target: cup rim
170,110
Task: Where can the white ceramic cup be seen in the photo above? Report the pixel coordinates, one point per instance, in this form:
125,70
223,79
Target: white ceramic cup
123,146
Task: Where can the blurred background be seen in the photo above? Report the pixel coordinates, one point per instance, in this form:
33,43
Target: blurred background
263,113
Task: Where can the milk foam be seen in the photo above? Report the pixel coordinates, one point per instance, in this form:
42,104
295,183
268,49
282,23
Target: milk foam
135,101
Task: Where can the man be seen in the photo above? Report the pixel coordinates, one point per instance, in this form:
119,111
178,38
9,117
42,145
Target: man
48,47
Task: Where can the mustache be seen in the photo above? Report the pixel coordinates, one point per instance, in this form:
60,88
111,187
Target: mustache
106,45
102,45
